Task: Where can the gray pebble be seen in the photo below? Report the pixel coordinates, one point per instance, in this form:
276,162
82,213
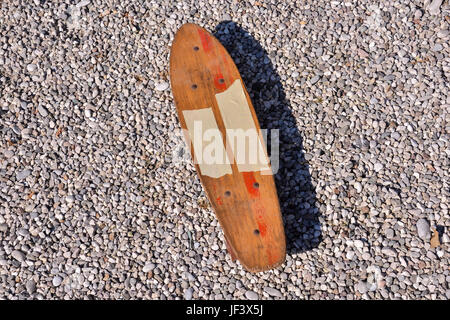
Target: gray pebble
437,47
445,238
418,14
251,295
358,244
23,232
226,17
350,254
314,79
389,252
188,294
18,255
273,292
148,267
423,229
8,153
362,287
42,111
30,286
23,174
389,233
83,3
434,7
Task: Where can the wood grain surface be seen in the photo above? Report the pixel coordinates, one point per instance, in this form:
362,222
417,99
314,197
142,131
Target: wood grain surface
245,203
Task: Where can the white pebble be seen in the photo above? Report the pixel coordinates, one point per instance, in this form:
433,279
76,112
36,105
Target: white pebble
162,86
31,67
378,167
56,281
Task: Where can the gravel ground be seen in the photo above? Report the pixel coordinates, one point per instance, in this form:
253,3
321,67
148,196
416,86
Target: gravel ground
92,205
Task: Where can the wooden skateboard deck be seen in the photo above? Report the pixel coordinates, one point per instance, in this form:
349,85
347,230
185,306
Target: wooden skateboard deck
209,92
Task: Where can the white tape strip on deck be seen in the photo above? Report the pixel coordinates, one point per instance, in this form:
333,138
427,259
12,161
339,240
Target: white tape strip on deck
207,140
242,135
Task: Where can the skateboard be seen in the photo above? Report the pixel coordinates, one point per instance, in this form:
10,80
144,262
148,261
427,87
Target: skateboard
227,147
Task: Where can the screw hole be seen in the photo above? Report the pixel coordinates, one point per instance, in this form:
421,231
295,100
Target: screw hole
194,86
256,185
256,232
221,80
195,48
227,193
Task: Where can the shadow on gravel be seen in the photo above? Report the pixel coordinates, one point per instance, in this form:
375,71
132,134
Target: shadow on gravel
295,191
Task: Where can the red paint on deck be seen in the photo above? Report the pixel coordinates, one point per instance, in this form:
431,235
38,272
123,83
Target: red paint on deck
219,201
260,212
270,256
205,39
262,228
219,80
221,86
249,180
